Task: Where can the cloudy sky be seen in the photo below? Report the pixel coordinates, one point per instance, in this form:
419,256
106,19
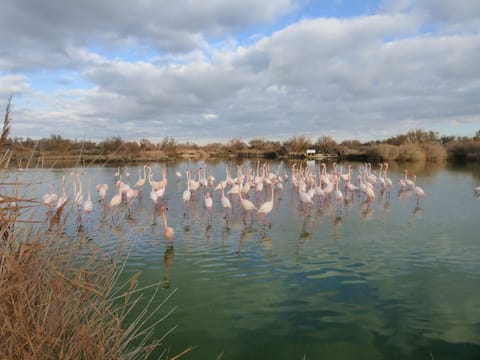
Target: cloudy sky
213,70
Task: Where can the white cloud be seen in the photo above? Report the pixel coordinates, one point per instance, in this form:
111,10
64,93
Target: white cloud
357,77
210,116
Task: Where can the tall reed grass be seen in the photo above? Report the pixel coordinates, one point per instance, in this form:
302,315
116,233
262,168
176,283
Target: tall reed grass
432,152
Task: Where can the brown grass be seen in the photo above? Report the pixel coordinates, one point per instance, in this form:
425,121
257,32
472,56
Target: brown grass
60,301
432,152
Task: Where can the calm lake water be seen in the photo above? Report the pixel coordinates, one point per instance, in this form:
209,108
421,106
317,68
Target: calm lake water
386,279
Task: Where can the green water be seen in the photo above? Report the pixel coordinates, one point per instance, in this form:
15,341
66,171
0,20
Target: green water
390,279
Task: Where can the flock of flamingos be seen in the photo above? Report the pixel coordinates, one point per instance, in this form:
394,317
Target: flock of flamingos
251,190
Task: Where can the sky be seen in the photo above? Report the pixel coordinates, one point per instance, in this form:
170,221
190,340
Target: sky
214,70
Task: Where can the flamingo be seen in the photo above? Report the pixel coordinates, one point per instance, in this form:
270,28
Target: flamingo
370,193
211,180
350,187
50,198
208,202
141,181
62,200
131,194
77,192
203,177
407,182
168,231
388,181
187,193
124,188
164,180
267,206
338,193
304,199
246,204
235,189
193,186
116,200
102,190
88,204
381,178
225,201
417,189
153,184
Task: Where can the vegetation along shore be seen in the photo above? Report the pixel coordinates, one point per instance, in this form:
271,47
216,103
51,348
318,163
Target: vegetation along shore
415,145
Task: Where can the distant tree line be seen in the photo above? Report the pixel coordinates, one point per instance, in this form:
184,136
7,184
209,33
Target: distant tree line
415,145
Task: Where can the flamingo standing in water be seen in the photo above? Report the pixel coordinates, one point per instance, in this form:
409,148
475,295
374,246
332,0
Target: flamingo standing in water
247,205
388,181
225,201
168,231
267,206
186,194
305,199
50,198
62,200
338,193
406,183
88,204
370,193
208,203
116,200
102,190
141,180
77,191
418,190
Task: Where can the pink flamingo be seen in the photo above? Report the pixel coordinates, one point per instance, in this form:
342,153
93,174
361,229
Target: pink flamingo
225,201
62,200
418,190
305,199
208,203
186,194
102,190
50,198
338,193
247,205
88,204
141,180
267,206
168,231
116,200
